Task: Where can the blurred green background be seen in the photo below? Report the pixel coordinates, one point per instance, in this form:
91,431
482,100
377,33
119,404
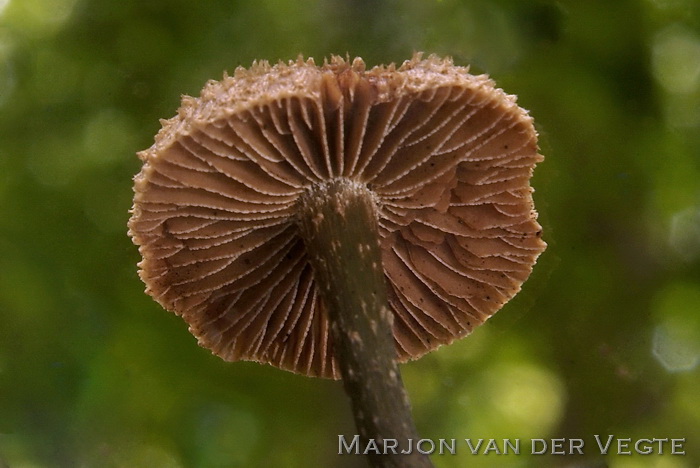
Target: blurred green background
604,338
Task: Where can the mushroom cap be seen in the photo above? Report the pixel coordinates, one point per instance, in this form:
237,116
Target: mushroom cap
448,155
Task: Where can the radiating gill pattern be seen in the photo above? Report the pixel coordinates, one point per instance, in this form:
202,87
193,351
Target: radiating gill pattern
447,155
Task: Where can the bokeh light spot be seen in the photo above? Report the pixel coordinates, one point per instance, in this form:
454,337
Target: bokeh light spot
676,338
676,346
684,233
512,399
38,17
108,137
676,59
527,394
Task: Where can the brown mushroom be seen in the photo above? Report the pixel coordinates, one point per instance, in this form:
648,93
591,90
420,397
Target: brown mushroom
435,160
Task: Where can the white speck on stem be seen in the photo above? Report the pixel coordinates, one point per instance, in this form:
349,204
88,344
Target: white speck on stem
356,339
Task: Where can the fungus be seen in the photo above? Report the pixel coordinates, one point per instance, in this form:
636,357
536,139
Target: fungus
331,220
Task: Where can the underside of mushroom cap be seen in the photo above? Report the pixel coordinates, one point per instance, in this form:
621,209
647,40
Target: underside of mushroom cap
447,156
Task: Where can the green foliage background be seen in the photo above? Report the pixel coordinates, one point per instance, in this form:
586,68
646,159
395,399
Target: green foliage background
604,338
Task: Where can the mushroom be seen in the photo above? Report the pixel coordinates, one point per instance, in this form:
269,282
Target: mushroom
320,217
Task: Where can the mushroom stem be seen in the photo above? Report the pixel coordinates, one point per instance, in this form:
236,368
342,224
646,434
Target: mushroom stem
338,221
